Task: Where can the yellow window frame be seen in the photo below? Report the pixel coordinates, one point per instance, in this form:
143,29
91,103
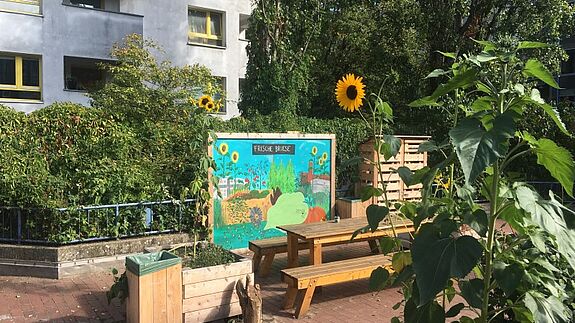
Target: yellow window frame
37,3
208,34
20,79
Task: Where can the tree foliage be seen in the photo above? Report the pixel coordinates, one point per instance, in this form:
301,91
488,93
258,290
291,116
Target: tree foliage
144,139
300,48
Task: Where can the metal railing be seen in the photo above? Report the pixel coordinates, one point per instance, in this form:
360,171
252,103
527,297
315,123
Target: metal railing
92,223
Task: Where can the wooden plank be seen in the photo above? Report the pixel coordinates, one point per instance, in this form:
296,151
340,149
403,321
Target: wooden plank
159,296
211,286
174,293
332,176
305,302
340,277
146,298
213,313
194,275
208,301
329,228
338,266
132,303
314,253
293,249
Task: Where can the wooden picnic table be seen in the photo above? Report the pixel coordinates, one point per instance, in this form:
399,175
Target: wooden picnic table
320,233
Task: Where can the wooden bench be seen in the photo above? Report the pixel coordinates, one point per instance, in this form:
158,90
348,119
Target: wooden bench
302,281
266,249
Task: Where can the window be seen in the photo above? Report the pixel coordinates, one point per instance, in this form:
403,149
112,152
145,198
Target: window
94,4
20,77
23,6
568,66
244,24
83,74
205,27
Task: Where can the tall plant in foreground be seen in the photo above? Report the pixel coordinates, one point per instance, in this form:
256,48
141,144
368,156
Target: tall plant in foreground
502,276
350,94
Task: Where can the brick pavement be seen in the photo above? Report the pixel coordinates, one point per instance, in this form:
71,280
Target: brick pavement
81,298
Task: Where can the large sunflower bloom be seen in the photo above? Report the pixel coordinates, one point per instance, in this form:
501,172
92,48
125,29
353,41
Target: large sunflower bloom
324,156
204,99
349,92
314,150
235,157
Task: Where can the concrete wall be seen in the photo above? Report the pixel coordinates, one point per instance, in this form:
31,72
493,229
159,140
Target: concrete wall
170,30
63,30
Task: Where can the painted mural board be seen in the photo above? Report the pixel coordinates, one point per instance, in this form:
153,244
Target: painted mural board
267,180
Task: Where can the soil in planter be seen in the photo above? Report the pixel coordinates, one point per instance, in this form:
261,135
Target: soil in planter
206,255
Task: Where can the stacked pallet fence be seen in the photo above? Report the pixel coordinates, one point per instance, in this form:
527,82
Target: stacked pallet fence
408,156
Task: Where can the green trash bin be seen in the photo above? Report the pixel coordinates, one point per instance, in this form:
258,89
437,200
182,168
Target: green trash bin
154,287
151,262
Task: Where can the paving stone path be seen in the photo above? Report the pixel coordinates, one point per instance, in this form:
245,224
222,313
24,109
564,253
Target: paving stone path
82,298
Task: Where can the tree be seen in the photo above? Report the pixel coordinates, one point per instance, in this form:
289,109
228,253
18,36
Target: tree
299,49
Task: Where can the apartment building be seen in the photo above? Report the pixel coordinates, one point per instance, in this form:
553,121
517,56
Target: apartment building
49,49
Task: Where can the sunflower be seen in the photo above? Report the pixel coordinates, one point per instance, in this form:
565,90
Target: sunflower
321,161
314,150
349,92
204,99
210,106
235,157
224,148
324,156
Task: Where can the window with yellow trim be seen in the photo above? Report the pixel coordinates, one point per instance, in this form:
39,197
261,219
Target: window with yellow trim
21,6
20,77
205,27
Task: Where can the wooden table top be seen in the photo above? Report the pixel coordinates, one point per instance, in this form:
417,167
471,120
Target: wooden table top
330,228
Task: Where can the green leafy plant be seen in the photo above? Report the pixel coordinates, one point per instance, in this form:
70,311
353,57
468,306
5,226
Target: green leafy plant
501,276
119,289
144,139
205,255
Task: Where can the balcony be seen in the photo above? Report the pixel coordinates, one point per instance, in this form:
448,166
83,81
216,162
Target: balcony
88,32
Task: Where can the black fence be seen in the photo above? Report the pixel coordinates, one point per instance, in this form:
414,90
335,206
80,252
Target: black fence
91,223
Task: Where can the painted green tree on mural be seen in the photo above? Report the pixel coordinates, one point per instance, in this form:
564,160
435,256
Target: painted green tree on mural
282,177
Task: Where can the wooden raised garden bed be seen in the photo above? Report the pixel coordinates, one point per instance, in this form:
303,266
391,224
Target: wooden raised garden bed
209,293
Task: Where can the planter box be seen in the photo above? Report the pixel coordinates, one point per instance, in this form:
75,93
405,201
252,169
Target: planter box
351,208
209,293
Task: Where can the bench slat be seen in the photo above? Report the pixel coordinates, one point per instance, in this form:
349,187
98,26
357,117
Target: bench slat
336,266
306,279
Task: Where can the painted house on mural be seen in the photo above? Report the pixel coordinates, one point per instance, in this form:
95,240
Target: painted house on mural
49,49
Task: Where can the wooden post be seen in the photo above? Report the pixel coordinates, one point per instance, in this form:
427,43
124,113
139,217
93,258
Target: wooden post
250,300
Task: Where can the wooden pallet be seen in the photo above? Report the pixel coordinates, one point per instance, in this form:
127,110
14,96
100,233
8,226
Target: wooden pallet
408,156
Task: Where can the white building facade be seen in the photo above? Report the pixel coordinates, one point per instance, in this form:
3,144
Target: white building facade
49,49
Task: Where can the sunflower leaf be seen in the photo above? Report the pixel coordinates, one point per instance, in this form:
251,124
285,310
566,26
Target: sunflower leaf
478,148
436,73
460,80
534,68
531,44
427,101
